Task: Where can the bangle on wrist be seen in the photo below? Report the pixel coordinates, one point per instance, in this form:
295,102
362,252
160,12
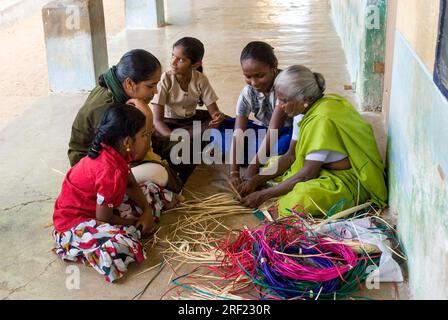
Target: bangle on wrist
232,173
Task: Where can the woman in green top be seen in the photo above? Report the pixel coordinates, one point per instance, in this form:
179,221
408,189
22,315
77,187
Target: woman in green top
133,81
333,157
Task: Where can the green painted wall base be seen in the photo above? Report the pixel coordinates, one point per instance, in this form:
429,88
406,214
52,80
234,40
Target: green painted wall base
361,25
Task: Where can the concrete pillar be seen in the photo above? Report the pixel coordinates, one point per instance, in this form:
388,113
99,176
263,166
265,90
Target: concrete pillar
144,14
75,38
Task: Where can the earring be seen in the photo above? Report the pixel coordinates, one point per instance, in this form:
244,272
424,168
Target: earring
306,105
128,149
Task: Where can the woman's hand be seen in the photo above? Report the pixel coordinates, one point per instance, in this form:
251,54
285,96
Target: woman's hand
236,181
293,108
146,221
217,118
251,171
255,199
247,187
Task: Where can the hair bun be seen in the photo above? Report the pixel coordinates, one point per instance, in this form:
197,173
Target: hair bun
320,81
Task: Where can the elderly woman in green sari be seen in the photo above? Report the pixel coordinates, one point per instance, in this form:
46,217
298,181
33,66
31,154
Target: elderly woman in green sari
333,157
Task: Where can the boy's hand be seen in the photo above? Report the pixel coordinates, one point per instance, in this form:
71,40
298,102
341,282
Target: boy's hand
217,118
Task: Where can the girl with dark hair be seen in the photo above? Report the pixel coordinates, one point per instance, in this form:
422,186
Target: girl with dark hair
182,89
88,219
260,68
133,81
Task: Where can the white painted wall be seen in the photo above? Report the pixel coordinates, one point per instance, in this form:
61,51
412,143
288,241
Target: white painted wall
349,19
418,160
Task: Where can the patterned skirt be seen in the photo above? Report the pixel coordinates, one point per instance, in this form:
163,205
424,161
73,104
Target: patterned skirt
109,249
157,197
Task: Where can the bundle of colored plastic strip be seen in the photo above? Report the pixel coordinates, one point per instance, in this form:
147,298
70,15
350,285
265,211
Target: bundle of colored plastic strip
287,260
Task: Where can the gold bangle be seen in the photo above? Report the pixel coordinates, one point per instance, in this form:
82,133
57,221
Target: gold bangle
233,172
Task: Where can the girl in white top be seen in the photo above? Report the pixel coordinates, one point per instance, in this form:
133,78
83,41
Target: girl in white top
182,88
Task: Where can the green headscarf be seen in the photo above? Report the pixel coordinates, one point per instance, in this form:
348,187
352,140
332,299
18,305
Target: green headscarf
115,86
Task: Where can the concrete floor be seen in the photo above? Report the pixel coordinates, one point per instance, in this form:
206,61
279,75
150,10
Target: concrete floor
33,148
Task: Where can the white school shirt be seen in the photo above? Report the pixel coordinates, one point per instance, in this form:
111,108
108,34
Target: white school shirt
325,156
180,104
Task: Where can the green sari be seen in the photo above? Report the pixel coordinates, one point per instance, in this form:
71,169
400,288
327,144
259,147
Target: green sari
333,124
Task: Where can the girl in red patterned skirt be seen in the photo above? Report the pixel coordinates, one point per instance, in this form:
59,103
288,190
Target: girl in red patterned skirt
87,220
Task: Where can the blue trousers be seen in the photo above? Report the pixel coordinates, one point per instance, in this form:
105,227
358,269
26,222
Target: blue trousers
251,146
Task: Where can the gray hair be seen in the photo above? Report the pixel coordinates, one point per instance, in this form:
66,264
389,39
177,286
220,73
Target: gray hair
298,82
